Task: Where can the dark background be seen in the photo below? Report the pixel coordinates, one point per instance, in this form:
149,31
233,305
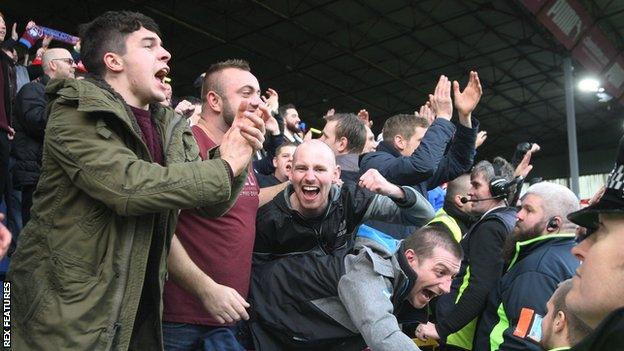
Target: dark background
384,56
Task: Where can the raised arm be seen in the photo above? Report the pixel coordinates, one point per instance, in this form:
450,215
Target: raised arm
394,204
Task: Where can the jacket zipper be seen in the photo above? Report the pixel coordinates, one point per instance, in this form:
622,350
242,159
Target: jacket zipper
319,241
128,242
122,276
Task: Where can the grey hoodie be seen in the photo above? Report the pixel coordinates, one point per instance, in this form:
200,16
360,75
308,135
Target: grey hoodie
372,285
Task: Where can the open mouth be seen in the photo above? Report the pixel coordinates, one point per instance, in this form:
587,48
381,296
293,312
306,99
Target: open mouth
310,192
428,294
162,74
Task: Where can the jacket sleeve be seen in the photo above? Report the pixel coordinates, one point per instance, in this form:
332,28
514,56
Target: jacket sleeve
31,104
265,165
530,290
365,295
98,162
486,266
459,157
265,242
421,164
414,209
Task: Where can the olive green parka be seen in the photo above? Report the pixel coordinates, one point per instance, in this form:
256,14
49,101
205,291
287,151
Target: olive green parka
103,210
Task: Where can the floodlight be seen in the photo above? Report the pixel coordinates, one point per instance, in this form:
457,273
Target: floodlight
589,85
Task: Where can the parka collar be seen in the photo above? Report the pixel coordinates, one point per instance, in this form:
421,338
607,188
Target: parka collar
523,248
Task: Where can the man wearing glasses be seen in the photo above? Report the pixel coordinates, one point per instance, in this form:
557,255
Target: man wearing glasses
30,123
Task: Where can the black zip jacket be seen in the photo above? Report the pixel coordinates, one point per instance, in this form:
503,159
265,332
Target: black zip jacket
282,230
29,123
480,271
538,267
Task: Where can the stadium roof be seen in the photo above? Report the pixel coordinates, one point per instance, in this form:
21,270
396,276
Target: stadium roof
385,56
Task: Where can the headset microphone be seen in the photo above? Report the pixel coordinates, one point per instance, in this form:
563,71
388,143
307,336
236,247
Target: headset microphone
499,187
465,199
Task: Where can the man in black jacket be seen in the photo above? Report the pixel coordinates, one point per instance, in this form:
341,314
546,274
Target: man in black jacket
482,266
7,95
537,256
30,123
421,155
350,299
314,213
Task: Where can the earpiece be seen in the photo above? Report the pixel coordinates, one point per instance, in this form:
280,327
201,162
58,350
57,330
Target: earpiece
552,224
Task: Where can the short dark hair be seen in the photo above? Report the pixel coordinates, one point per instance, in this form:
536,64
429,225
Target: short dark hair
352,128
212,80
402,124
283,145
499,167
107,33
458,186
283,108
577,329
426,239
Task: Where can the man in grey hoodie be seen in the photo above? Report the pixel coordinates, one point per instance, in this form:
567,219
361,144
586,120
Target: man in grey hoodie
346,300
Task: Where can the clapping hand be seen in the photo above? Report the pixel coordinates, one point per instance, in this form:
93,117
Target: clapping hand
466,101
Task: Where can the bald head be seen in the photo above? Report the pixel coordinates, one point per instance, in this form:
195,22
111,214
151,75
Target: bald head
58,63
316,149
458,186
313,172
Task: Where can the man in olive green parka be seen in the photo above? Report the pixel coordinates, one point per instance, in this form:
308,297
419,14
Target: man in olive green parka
117,166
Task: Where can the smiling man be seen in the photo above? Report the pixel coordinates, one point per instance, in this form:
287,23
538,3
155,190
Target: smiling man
314,213
117,168
292,132
347,300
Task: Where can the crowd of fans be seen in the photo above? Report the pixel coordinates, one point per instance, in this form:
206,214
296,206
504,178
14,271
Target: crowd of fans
141,220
